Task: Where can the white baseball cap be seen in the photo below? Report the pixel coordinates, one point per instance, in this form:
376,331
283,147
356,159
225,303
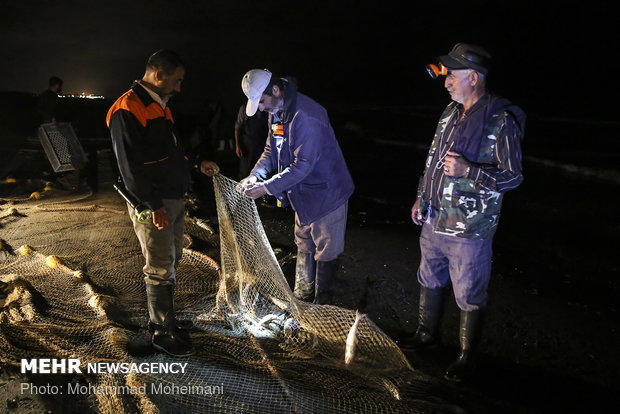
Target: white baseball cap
254,84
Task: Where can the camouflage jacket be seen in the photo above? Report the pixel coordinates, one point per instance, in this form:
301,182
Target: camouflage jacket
490,139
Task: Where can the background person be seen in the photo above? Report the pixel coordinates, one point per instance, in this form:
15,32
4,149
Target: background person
250,137
155,169
475,157
310,174
47,104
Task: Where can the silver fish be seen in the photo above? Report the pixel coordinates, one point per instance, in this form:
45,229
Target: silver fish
352,339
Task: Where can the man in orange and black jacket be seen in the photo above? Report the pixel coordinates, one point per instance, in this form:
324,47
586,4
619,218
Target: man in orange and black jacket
155,170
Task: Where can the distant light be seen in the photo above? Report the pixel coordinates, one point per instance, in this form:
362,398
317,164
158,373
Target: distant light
83,95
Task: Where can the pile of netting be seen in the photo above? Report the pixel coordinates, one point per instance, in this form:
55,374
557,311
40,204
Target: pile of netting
76,290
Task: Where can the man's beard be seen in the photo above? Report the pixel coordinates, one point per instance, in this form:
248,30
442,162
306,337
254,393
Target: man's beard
166,97
171,94
277,107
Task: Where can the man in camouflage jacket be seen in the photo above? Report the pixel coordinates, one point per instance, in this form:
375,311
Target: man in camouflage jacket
474,158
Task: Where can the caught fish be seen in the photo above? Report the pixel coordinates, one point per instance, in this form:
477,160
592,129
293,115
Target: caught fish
203,225
389,385
352,340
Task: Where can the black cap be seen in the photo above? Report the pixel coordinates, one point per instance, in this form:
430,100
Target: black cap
466,56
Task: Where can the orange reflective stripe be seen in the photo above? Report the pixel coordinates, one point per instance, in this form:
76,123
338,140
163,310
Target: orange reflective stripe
155,162
278,129
126,103
130,102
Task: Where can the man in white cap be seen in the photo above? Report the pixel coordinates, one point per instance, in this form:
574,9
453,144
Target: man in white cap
310,174
475,157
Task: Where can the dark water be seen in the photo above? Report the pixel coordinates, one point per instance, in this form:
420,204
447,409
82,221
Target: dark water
556,236
386,148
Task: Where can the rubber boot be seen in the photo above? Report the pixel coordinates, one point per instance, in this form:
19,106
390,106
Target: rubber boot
469,334
430,311
165,336
183,325
305,270
325,272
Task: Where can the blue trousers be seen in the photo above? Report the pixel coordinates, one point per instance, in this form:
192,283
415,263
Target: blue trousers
464,262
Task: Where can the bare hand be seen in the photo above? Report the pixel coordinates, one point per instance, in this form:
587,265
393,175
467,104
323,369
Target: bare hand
248,181
160,218
209,168
255,191
455,165
238,151
416,215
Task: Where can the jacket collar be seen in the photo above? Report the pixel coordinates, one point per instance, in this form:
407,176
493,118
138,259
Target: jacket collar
480,103
146,96
290,100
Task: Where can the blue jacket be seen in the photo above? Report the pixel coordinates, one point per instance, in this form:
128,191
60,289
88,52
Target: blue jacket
310,169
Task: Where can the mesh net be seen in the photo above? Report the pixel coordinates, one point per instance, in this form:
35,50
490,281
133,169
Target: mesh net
76,290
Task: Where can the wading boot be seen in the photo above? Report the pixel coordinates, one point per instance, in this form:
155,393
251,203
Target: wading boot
469,333
325,272
183,327
430,311
165,335
305,270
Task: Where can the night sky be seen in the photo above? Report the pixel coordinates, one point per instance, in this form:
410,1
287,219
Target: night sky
552,58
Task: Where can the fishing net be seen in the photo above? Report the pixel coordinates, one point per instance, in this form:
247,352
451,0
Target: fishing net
73,268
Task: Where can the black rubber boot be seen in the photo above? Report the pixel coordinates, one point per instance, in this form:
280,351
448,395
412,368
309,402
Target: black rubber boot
305,271
166,337
183,326
430,311
469,334
325,272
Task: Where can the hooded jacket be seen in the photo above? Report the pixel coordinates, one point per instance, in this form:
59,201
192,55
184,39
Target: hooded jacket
490,139
310,169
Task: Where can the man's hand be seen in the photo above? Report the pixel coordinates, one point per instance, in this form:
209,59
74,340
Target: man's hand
416,215
209,168
455,165
160,218
255,191
248,181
